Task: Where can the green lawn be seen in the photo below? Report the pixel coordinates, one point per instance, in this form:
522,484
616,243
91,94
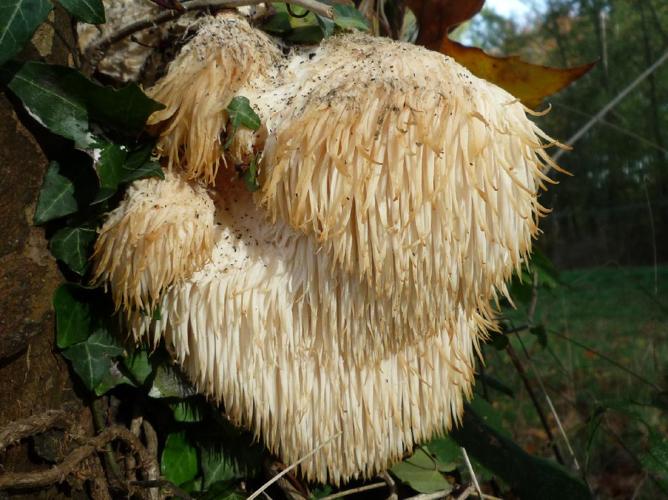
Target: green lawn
621,315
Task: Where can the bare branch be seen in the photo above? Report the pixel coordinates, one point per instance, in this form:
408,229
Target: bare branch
96,52
58,473
20,429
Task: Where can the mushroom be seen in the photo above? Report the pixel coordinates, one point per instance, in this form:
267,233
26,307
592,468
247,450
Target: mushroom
344,302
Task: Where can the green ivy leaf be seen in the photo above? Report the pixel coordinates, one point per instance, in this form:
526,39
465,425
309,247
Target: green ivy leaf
241,114
169,383
64,101
250,176
217,466
72,245
18,21
88,11
421,473
278,24
179,459
529,476
56,198
489,415
306,34
446,452
139,365
109,169
224,490
50,95
92,359
187,411
348,17
74,320
139,165
112,378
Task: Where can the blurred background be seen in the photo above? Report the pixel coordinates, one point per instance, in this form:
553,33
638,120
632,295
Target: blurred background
592,326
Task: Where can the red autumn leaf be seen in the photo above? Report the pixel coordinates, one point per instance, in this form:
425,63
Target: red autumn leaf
528,82
437,18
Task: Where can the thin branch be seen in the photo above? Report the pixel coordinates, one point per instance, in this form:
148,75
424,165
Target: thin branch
469,465
58,473
532,395
553,410
352,491
278,476
96,52
20,429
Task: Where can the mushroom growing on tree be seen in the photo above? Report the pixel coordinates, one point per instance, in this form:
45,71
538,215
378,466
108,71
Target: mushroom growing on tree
344,301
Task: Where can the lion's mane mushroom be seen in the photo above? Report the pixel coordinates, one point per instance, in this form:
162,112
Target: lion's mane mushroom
348,296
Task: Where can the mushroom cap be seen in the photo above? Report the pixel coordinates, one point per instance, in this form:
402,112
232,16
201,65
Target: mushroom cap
161,232
347,298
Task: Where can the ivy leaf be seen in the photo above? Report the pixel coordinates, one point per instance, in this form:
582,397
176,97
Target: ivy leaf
64,101
125,110
139,365
250,176
529,476
217,466
421,473
224,490
530,83
139,165
446,452
56,198
240,113
179,459
349,18
187,410
72,246
74,320
49,95
109,170
88,11
278,24
169,383
92,359
112,378
18,21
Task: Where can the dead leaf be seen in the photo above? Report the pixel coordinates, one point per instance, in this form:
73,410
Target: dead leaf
531,83
436,18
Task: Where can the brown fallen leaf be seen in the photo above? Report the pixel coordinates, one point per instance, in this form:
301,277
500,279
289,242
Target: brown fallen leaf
531,83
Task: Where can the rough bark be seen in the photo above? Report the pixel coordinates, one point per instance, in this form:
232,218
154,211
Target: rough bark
34,377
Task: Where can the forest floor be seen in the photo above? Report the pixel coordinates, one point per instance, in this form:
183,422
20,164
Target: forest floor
604,366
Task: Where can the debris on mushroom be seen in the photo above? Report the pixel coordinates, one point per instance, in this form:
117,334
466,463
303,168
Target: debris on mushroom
348,296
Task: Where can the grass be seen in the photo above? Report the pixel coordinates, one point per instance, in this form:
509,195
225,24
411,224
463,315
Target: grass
607,347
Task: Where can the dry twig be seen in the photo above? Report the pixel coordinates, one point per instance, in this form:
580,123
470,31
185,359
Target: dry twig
20,429
58,473
96,52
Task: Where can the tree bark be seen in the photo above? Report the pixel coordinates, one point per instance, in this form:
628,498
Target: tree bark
34,377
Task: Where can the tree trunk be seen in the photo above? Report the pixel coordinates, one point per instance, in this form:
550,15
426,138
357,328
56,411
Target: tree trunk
34,377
